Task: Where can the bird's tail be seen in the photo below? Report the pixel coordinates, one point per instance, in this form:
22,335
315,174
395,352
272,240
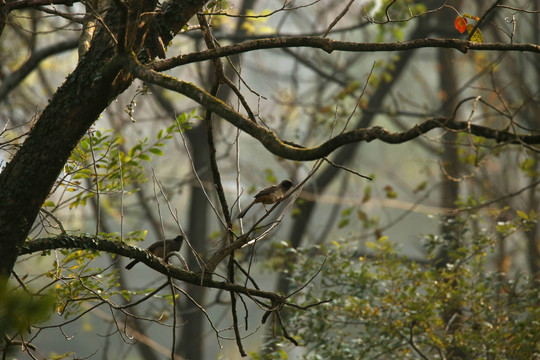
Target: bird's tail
243,213
131,264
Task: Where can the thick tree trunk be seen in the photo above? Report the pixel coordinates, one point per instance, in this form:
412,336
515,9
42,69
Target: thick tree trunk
98,78
28,178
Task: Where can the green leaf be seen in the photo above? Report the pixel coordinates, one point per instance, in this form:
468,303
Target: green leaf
523,215
84,144
420,187
156,151
346,211
134,149
144,157
367,194
528,166
343,223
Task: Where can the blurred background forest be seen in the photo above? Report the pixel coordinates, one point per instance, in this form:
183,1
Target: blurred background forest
436,257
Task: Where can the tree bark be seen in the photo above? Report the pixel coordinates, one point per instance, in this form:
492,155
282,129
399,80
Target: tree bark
98,79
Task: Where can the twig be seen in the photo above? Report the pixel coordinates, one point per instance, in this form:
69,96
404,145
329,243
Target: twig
173,343
413,345
309,281
357,104
479,22
347,169
57,220
248,277
305,307
389,20
203,188
121,197
218,65
218,185
486,204
96,174
156,181
233,310
331,162
388,8
194,302
144,298
220,77
339,17
283,8
285,333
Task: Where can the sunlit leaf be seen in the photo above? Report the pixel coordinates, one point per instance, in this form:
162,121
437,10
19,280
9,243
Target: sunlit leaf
522,215
477,37
461,24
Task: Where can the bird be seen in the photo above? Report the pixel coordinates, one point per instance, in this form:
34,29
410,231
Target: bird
269,195
161,248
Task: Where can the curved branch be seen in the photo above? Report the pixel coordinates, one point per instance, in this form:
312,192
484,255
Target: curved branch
284,149
17,76
88,242
329,46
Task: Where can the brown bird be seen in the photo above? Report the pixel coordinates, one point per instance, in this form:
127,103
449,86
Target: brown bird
269,195
161,249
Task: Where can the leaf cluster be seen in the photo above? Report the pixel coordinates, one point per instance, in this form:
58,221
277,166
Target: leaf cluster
101,158
387,305
19,309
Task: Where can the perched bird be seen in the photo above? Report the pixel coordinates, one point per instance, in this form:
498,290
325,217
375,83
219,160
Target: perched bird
161,249
269,195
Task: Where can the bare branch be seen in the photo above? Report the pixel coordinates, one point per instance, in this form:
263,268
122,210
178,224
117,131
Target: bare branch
339,17
390,20
265,15
519,9
489,203
278,147
25,4
329,46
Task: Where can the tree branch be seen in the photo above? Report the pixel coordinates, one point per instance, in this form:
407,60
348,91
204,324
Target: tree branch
329,46
88,242
280,148
25,4
15,78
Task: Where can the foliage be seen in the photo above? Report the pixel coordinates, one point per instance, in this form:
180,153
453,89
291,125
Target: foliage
101,159
386,303
20,309
77,279
461,26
